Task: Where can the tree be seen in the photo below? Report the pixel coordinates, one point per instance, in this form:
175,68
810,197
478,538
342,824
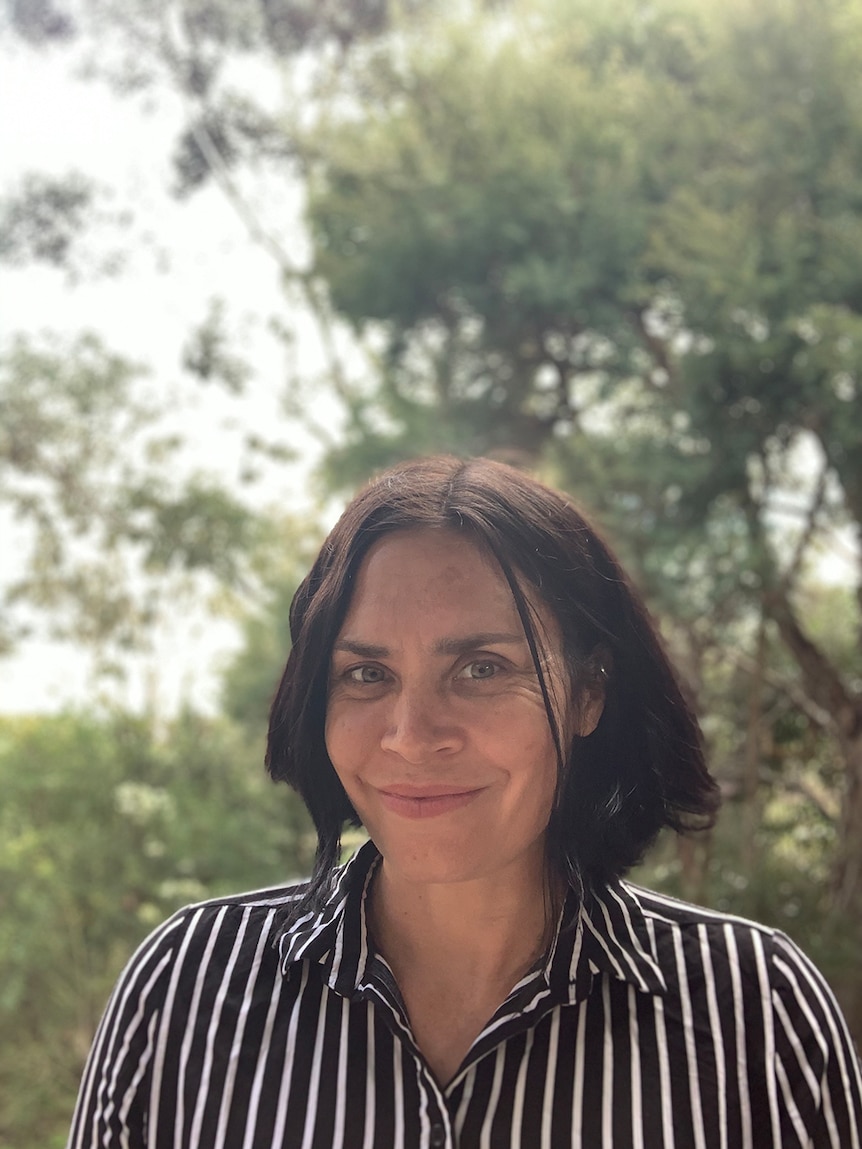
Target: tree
112,531
573,241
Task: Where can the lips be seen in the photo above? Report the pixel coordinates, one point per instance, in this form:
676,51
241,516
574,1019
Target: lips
426,801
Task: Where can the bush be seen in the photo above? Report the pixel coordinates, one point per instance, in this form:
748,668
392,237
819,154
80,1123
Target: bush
105,829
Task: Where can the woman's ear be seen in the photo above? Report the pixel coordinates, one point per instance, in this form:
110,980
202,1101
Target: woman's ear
591,702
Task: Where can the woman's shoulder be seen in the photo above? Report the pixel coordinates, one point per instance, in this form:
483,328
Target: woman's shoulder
216,958
754,955
204,936
262,898
230,909
755,992
669,907
668,917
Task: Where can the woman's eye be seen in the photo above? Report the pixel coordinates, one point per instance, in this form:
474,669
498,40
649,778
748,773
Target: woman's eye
481,668
369,675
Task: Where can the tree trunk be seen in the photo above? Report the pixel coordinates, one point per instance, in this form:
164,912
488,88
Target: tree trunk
825,686
847,888
751,811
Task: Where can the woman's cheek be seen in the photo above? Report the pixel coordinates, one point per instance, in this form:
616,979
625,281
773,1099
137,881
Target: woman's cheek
348,726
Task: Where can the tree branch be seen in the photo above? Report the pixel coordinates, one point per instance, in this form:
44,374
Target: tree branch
823,802
818,715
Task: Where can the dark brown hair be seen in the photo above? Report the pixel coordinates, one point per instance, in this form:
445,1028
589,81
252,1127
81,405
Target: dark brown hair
642,768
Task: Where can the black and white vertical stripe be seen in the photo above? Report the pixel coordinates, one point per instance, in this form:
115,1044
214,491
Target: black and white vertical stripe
652,1025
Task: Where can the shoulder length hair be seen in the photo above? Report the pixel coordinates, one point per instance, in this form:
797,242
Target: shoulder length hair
642,767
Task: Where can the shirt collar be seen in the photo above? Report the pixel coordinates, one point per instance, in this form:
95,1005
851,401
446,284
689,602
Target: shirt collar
616,940
605,934
337,936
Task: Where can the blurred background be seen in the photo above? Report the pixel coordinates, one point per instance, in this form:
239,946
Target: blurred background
253,250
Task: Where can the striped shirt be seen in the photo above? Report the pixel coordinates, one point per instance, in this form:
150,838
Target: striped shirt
650,1023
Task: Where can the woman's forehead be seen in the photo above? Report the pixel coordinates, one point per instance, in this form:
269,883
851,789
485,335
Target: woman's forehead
429,571
434,578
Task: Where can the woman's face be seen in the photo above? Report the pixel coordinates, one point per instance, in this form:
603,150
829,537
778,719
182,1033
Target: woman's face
436,723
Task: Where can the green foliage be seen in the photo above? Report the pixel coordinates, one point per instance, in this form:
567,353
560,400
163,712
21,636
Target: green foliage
88,471
207,354
41,220
483,223
104,830
251,677
532,236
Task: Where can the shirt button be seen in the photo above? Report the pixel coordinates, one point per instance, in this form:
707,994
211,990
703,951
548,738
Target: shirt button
438,1136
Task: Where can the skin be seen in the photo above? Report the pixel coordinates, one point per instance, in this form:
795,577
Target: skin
437,728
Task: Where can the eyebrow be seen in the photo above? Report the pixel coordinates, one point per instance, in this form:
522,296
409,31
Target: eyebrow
455,646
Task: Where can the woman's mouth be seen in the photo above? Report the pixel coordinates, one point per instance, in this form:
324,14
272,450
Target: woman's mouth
428,802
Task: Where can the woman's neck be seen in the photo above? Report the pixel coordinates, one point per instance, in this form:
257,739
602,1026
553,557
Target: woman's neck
489,930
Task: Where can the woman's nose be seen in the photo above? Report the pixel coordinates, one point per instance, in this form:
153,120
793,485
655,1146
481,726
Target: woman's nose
420,725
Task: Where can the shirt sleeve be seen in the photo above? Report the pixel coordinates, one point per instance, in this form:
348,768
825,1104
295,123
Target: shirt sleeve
112,1101
817,1071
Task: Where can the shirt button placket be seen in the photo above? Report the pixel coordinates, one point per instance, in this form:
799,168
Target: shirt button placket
438,1135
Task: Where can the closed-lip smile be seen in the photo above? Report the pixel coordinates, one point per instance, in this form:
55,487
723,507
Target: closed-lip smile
426,801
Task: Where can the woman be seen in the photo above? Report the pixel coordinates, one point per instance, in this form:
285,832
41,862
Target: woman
474,680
